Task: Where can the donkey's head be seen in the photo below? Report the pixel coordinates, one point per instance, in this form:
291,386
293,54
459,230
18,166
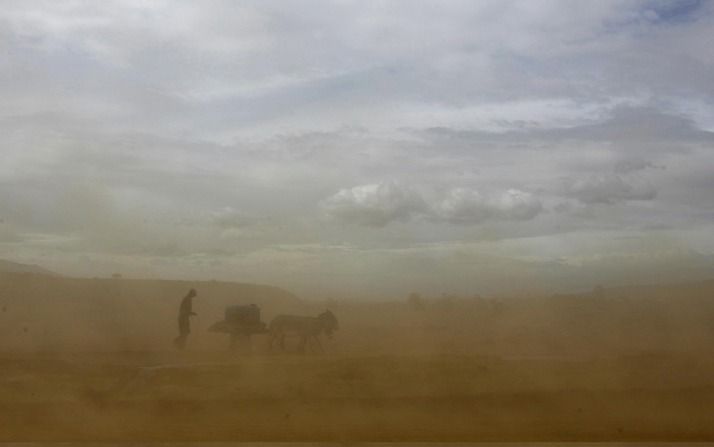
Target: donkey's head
328,322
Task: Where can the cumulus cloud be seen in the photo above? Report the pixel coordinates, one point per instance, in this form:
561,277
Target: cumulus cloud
468,206
608,189
375,205
380,204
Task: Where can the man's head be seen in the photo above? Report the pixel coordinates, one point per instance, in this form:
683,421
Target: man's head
192,293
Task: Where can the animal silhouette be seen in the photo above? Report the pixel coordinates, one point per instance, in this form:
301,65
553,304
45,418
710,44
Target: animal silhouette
307,329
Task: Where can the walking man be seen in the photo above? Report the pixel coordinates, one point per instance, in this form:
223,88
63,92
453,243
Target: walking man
184,325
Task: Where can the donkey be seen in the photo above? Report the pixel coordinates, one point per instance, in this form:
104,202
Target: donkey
308,329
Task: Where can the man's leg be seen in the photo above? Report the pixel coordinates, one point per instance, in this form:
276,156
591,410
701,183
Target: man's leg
184,330
180,342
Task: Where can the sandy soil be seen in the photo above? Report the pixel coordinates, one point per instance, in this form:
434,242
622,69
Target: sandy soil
218,397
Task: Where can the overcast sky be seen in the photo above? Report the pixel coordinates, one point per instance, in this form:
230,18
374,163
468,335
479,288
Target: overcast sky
357,148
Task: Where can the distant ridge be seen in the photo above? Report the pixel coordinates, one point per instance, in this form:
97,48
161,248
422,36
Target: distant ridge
16,267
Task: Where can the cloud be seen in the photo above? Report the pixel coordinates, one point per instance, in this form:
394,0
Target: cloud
379,204
627,165
374,205
8,234
229,218
467,206
168,131
608,189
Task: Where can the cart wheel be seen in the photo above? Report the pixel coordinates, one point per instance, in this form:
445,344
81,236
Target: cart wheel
240,343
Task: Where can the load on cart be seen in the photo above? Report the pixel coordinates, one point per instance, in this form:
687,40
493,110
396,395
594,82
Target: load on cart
240,322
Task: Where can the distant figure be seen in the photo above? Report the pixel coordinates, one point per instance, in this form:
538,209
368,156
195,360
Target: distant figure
306,328
184,325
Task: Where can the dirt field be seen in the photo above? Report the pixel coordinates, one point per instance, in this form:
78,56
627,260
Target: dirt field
617,365
163,396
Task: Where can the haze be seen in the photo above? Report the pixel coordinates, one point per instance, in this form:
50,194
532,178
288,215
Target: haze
361,149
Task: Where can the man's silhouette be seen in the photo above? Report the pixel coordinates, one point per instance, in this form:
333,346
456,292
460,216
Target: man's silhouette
185,312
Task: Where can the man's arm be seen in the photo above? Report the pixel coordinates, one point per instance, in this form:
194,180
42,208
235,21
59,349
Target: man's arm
187,306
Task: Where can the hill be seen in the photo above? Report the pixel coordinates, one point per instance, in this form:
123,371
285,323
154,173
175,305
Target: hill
16,267
41,312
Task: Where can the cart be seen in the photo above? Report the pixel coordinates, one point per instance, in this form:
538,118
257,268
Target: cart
240,323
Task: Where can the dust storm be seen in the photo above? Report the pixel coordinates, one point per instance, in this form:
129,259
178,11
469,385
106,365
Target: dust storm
347,221
93,360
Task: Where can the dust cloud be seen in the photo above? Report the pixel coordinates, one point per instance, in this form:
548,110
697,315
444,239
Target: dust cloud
93,360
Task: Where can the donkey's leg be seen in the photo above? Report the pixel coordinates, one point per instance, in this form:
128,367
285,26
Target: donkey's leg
318,344
271,340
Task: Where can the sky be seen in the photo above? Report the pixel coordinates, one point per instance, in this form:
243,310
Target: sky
361,148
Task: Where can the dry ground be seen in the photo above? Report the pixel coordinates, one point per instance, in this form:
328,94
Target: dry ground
215,396
91,360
